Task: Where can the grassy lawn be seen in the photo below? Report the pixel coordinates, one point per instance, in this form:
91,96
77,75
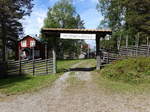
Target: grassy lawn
130,75
22,84
63,65
111,86
29,83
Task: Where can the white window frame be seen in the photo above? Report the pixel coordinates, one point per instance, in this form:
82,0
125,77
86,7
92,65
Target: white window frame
32,43
24,43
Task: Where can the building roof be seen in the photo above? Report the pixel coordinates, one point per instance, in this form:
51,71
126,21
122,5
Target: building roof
57,31
83,30
36,38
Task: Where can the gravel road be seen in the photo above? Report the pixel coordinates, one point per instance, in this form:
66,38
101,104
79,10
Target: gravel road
88,98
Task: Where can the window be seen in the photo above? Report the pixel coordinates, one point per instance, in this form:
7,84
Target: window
32,43
24,43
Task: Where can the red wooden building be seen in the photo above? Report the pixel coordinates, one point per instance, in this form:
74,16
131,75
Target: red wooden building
27,45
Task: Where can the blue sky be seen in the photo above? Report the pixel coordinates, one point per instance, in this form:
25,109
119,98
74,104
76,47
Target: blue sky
86,9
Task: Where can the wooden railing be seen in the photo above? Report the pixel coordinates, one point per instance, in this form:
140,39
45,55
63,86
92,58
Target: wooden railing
109,57
124,52
132,51
35,67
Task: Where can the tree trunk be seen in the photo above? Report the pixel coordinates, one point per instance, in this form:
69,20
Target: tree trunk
4,40
4,48
119,42
147,41
127,39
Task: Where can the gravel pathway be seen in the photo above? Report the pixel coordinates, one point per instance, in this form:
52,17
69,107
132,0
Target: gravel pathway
86,99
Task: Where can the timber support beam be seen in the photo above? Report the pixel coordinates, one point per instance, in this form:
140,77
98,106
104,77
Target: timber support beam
54,56
98,55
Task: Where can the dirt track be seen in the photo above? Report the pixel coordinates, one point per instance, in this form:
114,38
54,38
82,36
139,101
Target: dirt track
81,96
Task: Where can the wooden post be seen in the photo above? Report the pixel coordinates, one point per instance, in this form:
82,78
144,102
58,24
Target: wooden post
88,51
107,57
46,58
137,44
98,58
33,61
54,57
147,41
54,60
19,61
148,47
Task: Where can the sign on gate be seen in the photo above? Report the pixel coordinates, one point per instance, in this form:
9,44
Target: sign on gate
78,36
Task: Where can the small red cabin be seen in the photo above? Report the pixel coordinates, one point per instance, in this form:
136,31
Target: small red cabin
27,45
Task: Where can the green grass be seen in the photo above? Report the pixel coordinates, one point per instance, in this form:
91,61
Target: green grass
129,75
23,84
111,86
28,83
90,62
63,65
132,70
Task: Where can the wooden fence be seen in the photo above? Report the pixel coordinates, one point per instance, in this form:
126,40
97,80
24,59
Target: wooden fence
133,51
34,67
108,57
124,52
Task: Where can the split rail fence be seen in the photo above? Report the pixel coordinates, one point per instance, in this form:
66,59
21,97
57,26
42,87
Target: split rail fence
124,52
34,67
133,51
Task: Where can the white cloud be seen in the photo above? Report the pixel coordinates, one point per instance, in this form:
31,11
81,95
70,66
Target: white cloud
33,24
95,1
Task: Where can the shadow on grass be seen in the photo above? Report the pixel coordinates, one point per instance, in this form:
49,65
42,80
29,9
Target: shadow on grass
10,80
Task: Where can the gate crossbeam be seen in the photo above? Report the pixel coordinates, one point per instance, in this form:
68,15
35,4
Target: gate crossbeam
56,32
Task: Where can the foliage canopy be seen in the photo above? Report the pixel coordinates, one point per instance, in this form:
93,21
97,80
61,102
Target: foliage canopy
11,12
64,15
127,19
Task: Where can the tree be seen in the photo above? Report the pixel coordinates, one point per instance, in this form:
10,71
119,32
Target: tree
63,15
129,17
11,12
138,15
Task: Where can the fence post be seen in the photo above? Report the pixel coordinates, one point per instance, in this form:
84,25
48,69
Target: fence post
148,51
107,57
20,61
46,58
33,61
137,46
6,67
148,47
136,50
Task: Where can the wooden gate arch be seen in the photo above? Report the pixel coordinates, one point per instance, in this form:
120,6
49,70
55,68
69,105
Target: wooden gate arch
56,32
